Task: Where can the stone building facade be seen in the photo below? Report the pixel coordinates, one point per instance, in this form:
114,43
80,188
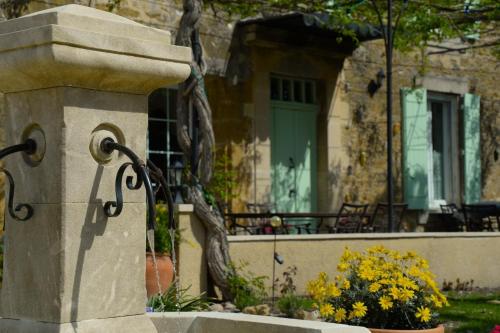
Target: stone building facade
338,128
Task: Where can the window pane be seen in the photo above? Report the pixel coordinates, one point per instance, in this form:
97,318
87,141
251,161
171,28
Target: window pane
176,158
275,89
438,149
157,104
172,104
174,145
286,90
297,91
160,160
309,92
157,133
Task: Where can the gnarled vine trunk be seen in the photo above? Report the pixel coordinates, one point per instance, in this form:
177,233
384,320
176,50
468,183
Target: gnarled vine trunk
192,95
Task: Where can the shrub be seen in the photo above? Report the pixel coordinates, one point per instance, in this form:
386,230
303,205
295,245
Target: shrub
247,289
289,303
171,301
379,288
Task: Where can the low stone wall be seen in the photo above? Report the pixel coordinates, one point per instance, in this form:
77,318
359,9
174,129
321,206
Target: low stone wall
467,256
451,255
201,322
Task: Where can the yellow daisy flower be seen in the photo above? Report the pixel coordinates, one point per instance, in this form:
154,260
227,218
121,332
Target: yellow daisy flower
332,290
423,313
326,310
359,309
374,287
340,315
385,302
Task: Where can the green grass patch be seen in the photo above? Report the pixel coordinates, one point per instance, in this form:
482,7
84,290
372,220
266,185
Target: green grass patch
471,312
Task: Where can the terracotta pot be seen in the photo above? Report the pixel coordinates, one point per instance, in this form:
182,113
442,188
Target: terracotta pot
165,271
439,329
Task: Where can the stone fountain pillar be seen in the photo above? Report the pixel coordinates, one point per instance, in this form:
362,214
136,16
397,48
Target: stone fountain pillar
73,75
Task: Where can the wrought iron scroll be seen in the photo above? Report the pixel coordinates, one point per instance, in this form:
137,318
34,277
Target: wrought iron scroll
10,204
28,147
108,145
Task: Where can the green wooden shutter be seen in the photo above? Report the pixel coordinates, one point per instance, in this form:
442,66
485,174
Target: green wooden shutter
415,148
472,148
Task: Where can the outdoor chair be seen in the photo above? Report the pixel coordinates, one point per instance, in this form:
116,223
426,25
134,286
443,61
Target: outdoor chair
452,218
480,217
379,219
349,218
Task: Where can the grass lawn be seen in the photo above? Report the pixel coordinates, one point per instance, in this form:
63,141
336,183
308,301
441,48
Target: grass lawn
470,312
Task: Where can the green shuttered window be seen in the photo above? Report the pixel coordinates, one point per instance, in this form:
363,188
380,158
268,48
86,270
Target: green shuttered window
415,148
472,148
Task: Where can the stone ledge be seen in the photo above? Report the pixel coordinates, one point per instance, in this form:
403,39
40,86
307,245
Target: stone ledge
184,208
129,324
198,322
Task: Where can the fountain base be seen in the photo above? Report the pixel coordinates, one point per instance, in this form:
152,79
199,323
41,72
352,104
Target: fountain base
128,324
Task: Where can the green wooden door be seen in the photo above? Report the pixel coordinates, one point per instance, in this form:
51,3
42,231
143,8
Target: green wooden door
293,157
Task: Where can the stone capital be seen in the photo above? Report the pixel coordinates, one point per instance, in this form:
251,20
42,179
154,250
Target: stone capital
84,47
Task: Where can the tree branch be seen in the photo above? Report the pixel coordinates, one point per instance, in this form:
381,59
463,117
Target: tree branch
445,49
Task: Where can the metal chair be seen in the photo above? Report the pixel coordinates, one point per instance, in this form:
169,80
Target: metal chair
480,217
349,219
379,219
452,218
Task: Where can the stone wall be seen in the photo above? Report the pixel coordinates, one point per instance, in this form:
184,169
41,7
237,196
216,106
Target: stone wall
365,130
451,255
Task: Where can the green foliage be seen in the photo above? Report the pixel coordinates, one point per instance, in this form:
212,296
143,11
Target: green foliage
163,240
247,289
223,183
289,302
288,286
170,301
417,22
471,312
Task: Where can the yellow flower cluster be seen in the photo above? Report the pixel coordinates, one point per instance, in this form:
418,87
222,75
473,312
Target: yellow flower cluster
389,278
326,310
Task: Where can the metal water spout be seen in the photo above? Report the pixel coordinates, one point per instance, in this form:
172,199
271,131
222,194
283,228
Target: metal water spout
145,173
28,147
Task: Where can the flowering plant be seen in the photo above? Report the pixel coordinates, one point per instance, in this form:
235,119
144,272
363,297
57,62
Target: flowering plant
379,288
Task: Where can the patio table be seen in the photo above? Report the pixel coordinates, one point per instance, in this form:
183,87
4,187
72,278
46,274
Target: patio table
491,209
491,203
